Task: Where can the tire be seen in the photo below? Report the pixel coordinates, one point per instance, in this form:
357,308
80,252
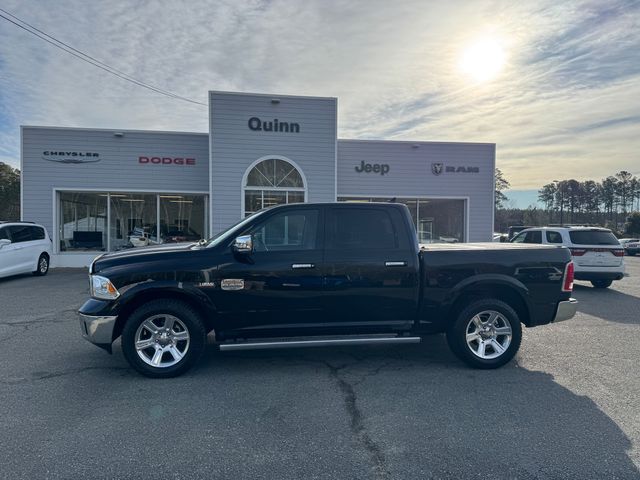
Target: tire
497,316
42,266
174,352
601,283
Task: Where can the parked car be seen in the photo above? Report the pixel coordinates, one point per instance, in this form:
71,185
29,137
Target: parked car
514,230
596,252
177,235
140,237
500,237
631,246
24,247
333,274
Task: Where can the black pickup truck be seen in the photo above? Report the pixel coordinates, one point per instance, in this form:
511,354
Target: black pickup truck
322,274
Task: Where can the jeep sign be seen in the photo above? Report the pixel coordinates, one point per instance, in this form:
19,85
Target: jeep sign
381,168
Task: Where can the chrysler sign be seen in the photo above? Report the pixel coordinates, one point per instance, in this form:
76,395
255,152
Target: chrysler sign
70,156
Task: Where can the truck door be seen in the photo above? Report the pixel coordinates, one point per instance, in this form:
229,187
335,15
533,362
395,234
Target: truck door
371,267
279,285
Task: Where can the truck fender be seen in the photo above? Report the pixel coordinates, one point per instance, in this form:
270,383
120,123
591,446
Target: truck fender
488,280
137,293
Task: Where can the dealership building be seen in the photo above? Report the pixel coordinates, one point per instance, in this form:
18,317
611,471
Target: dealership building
98,190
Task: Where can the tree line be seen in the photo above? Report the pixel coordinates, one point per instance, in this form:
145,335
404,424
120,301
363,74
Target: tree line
9,192
607,201
613,202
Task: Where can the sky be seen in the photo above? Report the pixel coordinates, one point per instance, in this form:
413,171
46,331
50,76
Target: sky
556,85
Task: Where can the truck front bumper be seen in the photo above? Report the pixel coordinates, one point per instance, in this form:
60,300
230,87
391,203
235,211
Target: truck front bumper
98,329
566,310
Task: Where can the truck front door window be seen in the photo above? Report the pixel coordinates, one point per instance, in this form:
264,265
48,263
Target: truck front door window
287,231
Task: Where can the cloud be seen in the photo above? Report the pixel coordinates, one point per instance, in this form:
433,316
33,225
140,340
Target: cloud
562,107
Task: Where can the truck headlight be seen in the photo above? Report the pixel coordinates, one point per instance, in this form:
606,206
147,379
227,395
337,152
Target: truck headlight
101,287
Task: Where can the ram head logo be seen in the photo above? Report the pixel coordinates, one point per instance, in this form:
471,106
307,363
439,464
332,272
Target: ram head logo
437,168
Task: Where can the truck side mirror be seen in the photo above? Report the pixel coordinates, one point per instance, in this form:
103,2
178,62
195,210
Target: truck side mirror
243,245
4,241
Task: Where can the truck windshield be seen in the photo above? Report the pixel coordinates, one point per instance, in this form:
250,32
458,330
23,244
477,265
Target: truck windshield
221,236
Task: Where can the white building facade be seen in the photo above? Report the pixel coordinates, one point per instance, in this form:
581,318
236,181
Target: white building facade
98,190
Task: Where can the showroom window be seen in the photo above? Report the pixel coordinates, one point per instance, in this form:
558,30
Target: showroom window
273,181
83,221
120,220
182,218
133,220
436,220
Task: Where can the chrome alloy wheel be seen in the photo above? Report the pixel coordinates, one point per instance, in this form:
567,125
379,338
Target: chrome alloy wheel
43,264
162,340
488,334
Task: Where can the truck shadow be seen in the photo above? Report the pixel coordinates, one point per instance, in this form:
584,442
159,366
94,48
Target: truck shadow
427,415
608,304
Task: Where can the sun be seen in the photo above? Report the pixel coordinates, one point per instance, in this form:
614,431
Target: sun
483,60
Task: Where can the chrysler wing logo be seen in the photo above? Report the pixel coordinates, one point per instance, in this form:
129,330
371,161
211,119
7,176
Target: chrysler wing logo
436,168
71,157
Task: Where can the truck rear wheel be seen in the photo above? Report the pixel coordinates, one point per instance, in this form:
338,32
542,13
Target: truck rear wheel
163,338
485,334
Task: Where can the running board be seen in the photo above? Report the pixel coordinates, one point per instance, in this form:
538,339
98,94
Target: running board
316,343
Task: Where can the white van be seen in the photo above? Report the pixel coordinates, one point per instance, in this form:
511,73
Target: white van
24,247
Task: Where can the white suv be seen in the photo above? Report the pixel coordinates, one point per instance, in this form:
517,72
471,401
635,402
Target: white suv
597,253
24,247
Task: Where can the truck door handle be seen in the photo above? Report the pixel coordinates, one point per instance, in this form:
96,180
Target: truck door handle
395,264
302,265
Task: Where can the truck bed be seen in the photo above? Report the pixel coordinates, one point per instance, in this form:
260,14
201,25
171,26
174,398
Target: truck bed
484,246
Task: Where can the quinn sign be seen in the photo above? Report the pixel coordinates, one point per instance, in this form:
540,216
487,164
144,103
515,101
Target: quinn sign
258,125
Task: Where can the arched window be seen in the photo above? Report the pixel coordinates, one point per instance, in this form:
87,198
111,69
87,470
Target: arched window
272,181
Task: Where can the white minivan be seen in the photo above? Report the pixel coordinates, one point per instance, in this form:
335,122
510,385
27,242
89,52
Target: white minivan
24,247
597,254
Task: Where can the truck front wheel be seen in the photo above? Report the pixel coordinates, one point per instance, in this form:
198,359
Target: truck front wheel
163,338
485,334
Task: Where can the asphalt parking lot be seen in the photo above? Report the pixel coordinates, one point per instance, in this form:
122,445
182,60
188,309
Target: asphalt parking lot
568,407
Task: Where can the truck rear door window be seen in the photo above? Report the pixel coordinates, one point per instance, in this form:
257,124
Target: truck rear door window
361,229
593,237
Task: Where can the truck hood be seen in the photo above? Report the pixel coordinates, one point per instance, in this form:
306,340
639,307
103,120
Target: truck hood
140,254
